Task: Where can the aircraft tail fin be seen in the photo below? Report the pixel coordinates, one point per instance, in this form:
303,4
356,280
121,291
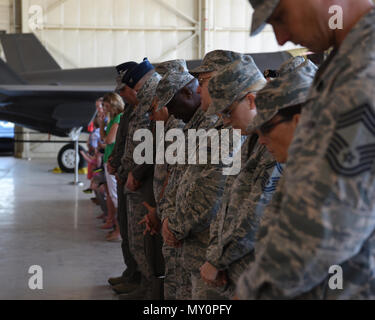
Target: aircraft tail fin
8,76
25,53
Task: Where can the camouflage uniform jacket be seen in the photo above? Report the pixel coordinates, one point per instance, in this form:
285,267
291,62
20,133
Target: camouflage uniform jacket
233,236
246,149
161,170
168,203
139,119
198,200
327,213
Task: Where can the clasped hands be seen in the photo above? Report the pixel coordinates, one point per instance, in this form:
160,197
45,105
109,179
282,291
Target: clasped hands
169,237
151,221
212,276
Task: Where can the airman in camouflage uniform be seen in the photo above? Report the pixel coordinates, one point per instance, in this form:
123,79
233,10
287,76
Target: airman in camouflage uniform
130,275
213,62
232,245
326,210
161,170
230,83
160,179
177,281
139,119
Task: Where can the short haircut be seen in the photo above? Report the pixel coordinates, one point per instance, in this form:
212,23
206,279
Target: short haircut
289,112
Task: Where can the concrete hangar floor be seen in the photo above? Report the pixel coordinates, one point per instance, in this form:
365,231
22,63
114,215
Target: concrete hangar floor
48,223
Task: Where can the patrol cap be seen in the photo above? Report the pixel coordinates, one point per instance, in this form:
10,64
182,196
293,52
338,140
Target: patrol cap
214,61
290,65
263,10
172,82
146,93
269,73
121,71
286,91
286,67
132,77
177,65
233,82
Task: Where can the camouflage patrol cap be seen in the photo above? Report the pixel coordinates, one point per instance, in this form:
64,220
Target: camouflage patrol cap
213,61
286,67
233,82
288,90
146,93
177,65
290,65
170,84
263,10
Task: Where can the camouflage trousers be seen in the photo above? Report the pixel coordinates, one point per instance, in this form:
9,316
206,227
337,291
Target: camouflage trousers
193,257
234,272
131,271
201,291
177,282
136,212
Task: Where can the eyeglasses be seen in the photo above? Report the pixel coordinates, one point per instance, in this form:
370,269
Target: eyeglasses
228,114
202,80
268,127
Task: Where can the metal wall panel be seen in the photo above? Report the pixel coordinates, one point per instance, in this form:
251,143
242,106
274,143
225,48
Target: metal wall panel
230,26
5,15
89,33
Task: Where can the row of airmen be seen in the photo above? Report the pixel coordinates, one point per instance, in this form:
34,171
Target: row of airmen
304,199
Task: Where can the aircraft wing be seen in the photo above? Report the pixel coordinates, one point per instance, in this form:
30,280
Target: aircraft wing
25,53
50,109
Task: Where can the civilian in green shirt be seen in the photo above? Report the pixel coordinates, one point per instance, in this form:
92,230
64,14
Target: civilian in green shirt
113,106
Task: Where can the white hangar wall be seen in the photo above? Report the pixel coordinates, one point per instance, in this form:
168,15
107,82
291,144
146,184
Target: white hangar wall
5,19
229,27
90,33
5,15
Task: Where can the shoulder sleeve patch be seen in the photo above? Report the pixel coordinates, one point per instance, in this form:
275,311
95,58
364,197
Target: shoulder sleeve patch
351,151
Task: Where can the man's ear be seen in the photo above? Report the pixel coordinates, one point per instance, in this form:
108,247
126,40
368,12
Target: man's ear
187,92
296,119
251,98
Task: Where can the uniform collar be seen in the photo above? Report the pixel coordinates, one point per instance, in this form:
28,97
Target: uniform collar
195,120
364,27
